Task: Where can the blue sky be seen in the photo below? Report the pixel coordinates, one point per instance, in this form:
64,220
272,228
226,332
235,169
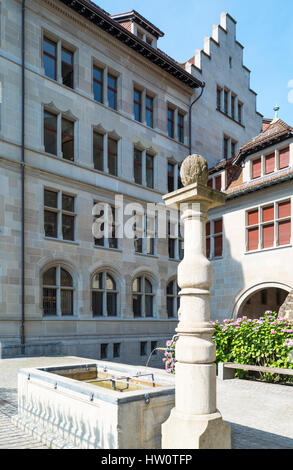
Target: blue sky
264,27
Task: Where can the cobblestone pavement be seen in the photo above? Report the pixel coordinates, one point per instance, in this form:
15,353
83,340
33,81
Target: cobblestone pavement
260,414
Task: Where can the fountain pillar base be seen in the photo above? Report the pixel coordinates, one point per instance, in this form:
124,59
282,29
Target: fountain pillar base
182,431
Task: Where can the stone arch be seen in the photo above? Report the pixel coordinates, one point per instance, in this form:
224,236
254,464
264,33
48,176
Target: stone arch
120,284
246,294
145,271
44,265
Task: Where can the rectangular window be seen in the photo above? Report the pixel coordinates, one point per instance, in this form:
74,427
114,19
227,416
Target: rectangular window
98,151
171,177
112,91
240,112
104,351
269,163
68,218
67,68
225,148
256,168
175,240
214,239
50,133
218,182
171,123
149,171
179,182
51,214
59,213
154,345
210,183
143,348
50,58
137,102
98,84
109,240
274,228
112,157
225,101
137,166
149,111
284,158
233,97
181,128
116,349
219,95
233,149
67,140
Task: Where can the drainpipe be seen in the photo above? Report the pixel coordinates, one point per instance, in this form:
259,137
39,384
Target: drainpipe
190,118
22,177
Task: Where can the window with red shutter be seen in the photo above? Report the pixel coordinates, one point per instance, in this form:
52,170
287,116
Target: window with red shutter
268,235
208,229
284,232
256,168
253,236
253,217
270,163
218,180
208,247
218,226
284,209
210,183
268,214
284,158
218,245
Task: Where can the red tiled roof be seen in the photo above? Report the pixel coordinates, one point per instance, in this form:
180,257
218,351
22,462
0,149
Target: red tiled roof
276,130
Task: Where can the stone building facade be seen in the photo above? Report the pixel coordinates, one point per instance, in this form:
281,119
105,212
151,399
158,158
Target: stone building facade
249,240
106,113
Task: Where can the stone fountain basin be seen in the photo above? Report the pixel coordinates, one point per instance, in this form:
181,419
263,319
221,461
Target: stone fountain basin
67,407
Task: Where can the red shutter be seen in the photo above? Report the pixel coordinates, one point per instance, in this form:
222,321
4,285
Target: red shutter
219,182
218,245
210,183
208,247
284,232
284,158
256,168
270,163
268,214
268,236
253,239
208,228
218,226
253,217
284,209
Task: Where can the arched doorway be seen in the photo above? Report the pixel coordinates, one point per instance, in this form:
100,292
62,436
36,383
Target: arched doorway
254,302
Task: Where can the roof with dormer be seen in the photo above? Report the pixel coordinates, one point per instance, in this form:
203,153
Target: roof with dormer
140,20
102,19
275,132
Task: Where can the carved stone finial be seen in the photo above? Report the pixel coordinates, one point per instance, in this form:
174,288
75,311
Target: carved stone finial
194,169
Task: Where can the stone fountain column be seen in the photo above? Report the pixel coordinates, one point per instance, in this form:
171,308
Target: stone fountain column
195,422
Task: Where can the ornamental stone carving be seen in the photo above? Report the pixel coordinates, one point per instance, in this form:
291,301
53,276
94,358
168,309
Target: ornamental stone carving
194,169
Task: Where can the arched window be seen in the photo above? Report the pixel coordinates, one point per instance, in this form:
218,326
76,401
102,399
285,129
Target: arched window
173,299
104,295
143,297
58,292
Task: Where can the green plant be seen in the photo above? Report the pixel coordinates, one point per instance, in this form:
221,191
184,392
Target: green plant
266,341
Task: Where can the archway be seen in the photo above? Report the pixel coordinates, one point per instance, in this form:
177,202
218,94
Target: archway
254,302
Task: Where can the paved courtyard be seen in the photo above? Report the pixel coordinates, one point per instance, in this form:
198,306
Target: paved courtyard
260,414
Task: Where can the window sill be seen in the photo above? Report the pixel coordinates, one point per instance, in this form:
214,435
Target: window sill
267,249
145,254
216,258
115,250
69,242
177,260
60,318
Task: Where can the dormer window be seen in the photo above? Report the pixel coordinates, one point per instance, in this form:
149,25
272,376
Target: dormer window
149,40
140,34
268,164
